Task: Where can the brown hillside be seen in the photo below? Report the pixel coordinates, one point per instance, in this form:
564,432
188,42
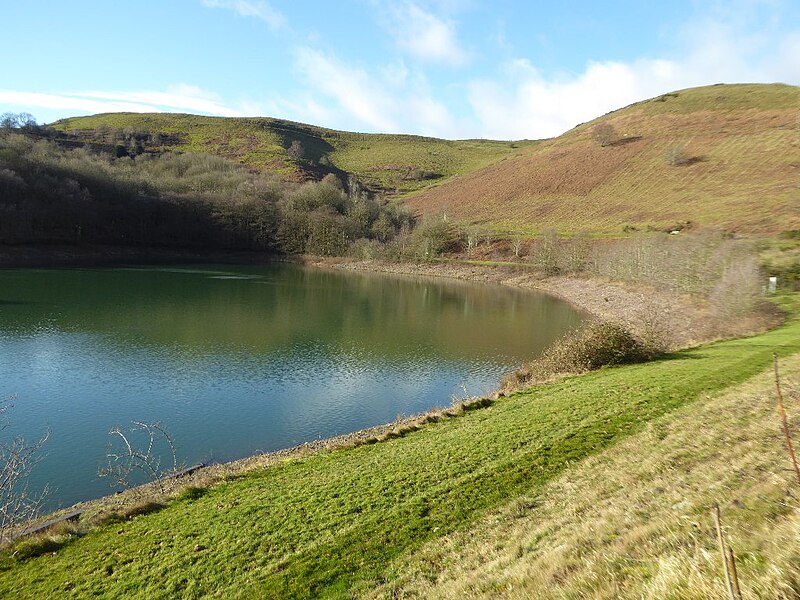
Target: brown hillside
740,169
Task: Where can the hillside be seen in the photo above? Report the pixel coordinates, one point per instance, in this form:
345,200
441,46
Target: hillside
341,522
726,155
391,164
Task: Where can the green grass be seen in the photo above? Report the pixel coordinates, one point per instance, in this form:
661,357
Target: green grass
396,164
322,525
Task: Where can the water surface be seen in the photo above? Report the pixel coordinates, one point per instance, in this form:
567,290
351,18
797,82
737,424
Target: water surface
237,360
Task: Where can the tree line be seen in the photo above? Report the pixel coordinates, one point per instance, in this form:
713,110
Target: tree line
54,190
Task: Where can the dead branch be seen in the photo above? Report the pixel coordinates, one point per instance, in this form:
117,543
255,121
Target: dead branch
124,463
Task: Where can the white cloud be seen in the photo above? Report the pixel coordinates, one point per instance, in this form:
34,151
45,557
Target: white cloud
252,8
351,88
425,36
181,97
522,103
392,101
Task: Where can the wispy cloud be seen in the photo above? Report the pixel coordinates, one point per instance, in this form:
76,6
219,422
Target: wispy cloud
390,99
180,98
258,9
424,35
350,87
522,102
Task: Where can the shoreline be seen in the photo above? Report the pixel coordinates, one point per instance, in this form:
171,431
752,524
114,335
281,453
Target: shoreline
688,321
63,256
632,306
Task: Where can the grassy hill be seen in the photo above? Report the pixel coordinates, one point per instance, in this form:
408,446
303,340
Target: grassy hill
340,523
726,155
393,164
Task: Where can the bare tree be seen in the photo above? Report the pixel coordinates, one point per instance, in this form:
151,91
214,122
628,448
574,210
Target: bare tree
473,235
126,459
296,150
516,245
604,134
17,459
677,155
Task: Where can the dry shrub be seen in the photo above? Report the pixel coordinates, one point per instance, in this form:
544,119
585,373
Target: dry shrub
604,134
601,344
738,290
694,264
555,255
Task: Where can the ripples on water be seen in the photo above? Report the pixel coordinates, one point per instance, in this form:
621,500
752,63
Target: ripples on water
237,360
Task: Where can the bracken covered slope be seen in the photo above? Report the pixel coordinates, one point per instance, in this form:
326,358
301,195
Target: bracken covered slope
723,155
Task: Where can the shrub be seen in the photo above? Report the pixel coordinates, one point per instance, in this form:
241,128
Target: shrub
366,249
434,237
738,290
604,134
677,156
600,344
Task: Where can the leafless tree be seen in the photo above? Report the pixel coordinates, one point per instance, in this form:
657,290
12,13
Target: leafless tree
296,150
126,459
677,155
17,459
604,134
516,245
473,236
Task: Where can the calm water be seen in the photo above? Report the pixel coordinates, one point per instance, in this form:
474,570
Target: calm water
237,360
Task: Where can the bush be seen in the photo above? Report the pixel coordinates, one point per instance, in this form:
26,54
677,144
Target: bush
192,493
366,249
434,237
601,344
604,134
738,290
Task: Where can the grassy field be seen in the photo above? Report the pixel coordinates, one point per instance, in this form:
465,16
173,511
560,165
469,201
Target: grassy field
394,164
737,145
634,521
344,522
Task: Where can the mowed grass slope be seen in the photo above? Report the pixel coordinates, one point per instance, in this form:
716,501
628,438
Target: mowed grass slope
340,522
386,163
741,167
634,521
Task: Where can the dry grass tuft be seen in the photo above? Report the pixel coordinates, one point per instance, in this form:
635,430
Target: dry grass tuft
633,522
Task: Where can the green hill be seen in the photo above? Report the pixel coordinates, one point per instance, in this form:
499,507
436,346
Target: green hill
723,155
393,164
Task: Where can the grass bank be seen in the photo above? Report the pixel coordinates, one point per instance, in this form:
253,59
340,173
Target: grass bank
635,520
336,522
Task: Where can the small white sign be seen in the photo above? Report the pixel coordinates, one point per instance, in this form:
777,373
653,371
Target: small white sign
773,285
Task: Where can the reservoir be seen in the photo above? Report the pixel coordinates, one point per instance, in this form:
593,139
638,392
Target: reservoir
235,360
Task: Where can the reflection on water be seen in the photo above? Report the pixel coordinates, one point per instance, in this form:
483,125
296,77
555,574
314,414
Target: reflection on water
236,360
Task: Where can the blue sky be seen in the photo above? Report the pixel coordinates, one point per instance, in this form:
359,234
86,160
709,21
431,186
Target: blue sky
506,69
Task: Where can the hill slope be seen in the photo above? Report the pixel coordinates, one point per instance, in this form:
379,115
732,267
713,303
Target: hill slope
737,149
392,164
